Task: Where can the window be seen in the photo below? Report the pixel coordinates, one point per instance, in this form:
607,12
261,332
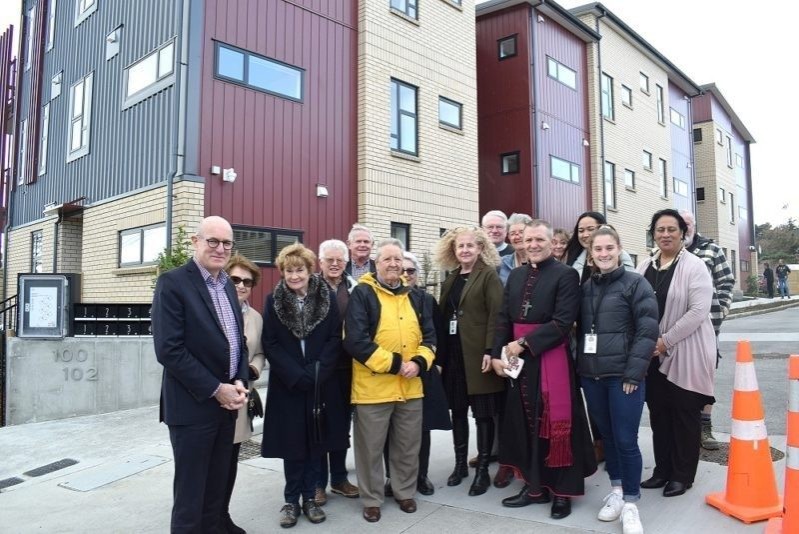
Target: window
700,194
23,157
743,213
610,184
732,208
507,47
509,163
719,137
84,8
31,22
404,121
677,118
744,266
262,245
729,152
660,108
80,117
564,170
647,160
664,178
55,85
722,195
141,246
739,161
681,187
406,7
112,43
561,73
629,179
634,257
259,72
733,262
607,96
43,140
152,73
626,96
697,135
643,82
650,242
37,244
51,24
402,232
450,113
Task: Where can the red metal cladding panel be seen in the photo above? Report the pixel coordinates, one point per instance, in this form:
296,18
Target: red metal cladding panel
701,108
281,149
504,110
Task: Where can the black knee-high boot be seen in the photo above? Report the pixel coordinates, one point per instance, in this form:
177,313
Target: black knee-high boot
460,438
485,440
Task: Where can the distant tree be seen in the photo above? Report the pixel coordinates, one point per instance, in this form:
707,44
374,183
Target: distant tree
778,242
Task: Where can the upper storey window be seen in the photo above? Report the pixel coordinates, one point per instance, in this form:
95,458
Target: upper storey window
562,73
150,74
258,72
507,47
84,8
406,7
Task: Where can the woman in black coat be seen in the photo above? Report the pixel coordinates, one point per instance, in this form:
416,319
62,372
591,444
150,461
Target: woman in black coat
302,341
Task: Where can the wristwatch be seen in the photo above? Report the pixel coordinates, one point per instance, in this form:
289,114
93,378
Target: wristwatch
522,342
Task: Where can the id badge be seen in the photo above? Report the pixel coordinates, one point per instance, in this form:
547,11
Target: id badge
590,344
453,327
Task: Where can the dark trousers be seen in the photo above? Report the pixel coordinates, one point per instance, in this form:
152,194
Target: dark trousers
202,460
618,416
334,465
770,289
231,478
301,479
674,415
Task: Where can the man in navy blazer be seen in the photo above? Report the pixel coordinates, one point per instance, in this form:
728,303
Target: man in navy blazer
198,337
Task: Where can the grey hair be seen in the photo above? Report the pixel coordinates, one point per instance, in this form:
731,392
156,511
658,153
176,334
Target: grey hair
389,241
357,227
535,223
495,213
519,218
334,244
411,257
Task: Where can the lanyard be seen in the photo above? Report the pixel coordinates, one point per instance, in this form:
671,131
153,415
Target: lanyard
596,303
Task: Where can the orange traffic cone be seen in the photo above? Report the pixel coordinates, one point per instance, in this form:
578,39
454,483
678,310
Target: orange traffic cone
751,493
789,522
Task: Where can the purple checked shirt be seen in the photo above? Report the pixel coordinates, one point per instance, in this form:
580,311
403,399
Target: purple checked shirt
224,312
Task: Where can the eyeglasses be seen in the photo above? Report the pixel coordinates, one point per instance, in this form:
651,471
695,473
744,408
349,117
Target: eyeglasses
248,282
409,271
333,261
214,243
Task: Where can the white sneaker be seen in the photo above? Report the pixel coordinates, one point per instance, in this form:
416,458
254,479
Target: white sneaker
612,507
630,522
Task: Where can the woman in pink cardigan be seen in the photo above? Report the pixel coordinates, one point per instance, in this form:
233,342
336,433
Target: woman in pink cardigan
680,377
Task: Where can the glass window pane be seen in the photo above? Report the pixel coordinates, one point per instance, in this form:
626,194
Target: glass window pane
394,111
165,60
142,74
408,133
449,113
568,77
560,169
275,77
77,135
130,247
407,99
552,67
77,100
254,245
230,63
575,173
154,243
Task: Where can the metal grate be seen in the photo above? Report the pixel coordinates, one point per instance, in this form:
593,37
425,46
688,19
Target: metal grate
49,468
249,449
8,482
721,456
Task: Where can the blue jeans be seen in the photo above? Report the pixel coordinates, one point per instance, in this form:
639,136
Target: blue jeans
782,287
618,417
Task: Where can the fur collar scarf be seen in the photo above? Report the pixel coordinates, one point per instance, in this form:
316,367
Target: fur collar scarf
302,321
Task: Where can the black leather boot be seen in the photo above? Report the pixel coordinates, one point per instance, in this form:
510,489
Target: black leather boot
485,440
460,437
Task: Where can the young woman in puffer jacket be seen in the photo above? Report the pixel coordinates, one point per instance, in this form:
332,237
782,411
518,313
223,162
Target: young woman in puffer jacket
618,329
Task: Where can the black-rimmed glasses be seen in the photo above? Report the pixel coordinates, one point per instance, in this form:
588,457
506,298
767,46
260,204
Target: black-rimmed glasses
214,243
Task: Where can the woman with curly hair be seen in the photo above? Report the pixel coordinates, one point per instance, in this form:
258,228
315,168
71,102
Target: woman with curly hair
471,297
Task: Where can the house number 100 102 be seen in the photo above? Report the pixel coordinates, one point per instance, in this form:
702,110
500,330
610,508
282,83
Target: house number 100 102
76,373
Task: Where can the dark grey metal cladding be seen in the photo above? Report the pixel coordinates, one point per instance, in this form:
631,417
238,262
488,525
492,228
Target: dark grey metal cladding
129,149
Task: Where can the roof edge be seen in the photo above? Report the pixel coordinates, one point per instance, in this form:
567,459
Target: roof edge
553,9
736,120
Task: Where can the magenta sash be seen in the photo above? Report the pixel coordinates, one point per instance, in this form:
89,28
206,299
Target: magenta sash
556,415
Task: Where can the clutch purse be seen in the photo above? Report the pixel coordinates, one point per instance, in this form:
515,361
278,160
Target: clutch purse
255,407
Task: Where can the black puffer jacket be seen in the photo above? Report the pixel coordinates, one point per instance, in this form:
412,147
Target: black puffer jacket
626,324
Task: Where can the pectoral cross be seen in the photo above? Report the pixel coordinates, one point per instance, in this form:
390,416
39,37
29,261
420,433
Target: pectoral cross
526,308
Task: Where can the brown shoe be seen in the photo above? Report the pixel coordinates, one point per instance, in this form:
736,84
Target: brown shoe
320,497
503,477
371,513
345,489
407,505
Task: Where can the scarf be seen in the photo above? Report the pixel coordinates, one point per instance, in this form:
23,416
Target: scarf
301,320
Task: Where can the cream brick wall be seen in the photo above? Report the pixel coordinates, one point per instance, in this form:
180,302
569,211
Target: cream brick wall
19,251
436,53
626,137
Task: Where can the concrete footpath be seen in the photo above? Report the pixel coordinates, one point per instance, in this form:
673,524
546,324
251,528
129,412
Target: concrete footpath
122,482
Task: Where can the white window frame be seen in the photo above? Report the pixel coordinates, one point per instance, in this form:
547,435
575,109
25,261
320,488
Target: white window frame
723,195
680,187
609,176
83,118
51,25
660,104
629,179
608,111
626,96
55,85
31,23
23,147
646,160
43,140
162,78
676,118
83,9
643,82
37,251
729,152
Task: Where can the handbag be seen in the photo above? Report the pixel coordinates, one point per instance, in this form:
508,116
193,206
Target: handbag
319,430
255,407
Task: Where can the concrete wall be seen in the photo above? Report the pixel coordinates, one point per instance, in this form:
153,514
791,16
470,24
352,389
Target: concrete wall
70,377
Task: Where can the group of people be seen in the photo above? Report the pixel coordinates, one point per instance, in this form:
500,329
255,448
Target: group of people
520,333
782,271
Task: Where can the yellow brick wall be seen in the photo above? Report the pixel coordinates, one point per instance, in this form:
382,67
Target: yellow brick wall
436,53
19,251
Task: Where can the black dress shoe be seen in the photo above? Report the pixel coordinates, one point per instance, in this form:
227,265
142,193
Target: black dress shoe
523,498
674,488
424,486
227,525
387,490
653,482
561,507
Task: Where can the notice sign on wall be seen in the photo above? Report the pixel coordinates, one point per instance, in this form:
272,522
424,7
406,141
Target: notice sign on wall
43,306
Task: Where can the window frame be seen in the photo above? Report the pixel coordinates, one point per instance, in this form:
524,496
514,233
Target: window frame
160,82
719,137
660,104
629,92
510,38
37,252
572,168
729,152
723,195
663,174
399,113
44,139
23,148
678,185
558,67
697,135
515,154
397,227
650,157
609,178
732,208
244,81
455,104
409,5
141,231
83,10
30,21
274,235
680,122
631,183
643,82
606,95
51,25
85,117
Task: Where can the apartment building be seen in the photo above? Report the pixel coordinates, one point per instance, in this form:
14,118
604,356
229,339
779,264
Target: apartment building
640,112
534,123
724,181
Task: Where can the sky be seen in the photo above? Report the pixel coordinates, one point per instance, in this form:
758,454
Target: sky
742,47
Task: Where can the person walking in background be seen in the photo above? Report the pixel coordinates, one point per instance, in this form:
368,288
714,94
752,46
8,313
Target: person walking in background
723,282
391,343
618,329
244,275
302,341
360,243
516,225
545,436
768,276
333,257
782,272
495,225
198,336
560,240
470,300
679,381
